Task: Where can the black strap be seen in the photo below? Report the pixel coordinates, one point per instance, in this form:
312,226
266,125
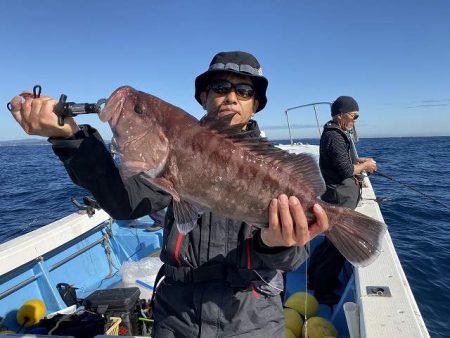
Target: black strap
161,273
207,273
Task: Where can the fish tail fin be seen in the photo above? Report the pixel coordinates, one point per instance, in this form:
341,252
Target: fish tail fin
357,237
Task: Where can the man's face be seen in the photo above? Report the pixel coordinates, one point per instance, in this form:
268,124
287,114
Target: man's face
347,120
223,104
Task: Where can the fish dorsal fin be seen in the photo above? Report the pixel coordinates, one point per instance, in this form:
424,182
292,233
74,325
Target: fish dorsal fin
304,165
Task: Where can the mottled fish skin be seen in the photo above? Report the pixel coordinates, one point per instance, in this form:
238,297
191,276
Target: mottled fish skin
205,166
213,166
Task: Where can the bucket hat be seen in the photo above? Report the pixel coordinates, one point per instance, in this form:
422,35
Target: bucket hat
236,62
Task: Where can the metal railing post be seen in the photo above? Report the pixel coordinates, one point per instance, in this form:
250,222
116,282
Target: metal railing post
303,106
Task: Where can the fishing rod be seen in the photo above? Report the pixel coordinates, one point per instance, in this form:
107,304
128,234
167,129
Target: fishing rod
412,188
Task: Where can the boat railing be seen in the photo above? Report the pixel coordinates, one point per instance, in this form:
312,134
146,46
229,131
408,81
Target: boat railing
314,104
352,134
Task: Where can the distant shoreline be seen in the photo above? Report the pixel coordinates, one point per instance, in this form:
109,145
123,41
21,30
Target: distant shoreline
25,142
43,141
360,137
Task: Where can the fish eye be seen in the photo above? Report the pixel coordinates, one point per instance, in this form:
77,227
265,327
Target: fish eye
138,108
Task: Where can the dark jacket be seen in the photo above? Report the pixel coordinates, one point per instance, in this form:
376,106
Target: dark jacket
336,165
220,279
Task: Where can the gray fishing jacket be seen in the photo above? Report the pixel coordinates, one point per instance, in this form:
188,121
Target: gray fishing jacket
220,279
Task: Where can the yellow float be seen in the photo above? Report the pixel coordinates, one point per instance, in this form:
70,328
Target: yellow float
287,333
293,321
31,312
318,327
304,303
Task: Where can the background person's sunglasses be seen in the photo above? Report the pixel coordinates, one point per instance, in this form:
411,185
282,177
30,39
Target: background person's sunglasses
244,91
353,116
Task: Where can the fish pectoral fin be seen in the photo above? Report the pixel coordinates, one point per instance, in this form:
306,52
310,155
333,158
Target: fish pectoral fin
186,215
165,185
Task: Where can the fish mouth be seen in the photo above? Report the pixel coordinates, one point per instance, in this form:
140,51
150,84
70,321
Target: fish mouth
115,104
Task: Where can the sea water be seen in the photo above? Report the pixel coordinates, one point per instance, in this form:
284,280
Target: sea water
36,190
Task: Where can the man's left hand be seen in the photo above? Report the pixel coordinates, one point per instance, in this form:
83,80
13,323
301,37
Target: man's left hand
288,225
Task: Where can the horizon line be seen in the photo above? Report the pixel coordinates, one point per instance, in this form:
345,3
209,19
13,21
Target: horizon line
42,138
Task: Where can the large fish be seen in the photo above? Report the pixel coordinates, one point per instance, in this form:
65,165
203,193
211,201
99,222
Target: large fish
209,165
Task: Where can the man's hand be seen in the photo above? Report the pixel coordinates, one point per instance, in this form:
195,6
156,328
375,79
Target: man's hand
369,164
288,225
36,116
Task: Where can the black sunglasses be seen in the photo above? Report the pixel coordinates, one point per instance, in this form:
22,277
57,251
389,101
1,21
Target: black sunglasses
245,91
354,117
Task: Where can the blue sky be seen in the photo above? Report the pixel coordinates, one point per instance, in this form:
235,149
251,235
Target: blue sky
392,56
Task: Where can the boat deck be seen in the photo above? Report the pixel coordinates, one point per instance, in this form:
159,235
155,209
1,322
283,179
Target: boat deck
88,251
381,292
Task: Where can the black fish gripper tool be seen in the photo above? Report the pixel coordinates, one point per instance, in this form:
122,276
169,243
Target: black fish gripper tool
70,109
36,93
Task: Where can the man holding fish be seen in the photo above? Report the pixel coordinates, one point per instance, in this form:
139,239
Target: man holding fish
223,270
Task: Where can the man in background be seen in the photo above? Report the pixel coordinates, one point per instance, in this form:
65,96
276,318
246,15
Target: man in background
340,168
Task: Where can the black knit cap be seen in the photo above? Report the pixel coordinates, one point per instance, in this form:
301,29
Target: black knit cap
240,63
344,104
